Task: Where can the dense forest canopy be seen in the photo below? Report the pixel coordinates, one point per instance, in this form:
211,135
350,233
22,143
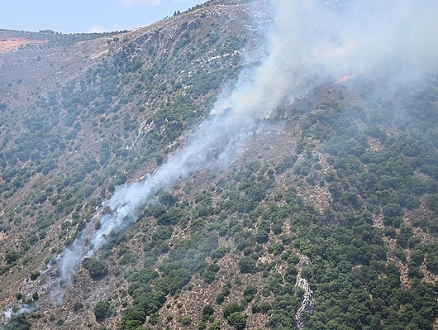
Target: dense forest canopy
321,213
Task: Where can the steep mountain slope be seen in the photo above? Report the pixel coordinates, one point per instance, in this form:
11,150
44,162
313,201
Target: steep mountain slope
326,217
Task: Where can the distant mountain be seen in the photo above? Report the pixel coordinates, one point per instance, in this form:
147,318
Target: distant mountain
127,203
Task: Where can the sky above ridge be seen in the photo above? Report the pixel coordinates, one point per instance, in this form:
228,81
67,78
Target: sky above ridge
77,16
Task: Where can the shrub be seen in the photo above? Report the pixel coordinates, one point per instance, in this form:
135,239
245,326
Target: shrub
215,326
249,293
209,273
153,318
207,310
247,265
167,199
220,252
78,306
237,320
34,275
220,298
186,320
11,256
101,310
17,322
231,308
96,268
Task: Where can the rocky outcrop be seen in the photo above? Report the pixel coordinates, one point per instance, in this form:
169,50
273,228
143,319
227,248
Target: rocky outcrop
306,307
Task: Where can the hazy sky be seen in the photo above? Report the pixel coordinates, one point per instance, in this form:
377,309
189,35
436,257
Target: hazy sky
69,16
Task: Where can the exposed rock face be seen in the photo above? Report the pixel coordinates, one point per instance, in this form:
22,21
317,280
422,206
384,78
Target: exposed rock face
308,302
195,24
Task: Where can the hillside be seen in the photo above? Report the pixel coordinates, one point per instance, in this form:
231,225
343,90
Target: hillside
321,214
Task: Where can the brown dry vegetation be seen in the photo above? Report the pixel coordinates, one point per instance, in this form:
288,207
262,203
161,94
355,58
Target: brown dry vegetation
13,44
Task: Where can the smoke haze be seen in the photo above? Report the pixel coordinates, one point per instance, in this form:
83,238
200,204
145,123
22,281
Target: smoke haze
310,43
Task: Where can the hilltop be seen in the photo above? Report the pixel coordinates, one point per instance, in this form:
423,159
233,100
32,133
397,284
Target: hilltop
321,215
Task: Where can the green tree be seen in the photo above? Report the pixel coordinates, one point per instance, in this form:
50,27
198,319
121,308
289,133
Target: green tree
237,320
102,310
207,310
11,256
249,293
247,265
231,308
96,268
432,262
186,320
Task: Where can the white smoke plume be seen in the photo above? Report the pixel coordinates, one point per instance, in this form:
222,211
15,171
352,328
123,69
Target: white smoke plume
311,42
25,309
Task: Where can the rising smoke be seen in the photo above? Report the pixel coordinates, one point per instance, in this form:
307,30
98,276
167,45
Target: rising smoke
311,42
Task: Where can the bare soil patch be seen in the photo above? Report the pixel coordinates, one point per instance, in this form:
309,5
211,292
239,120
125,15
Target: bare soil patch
12,44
